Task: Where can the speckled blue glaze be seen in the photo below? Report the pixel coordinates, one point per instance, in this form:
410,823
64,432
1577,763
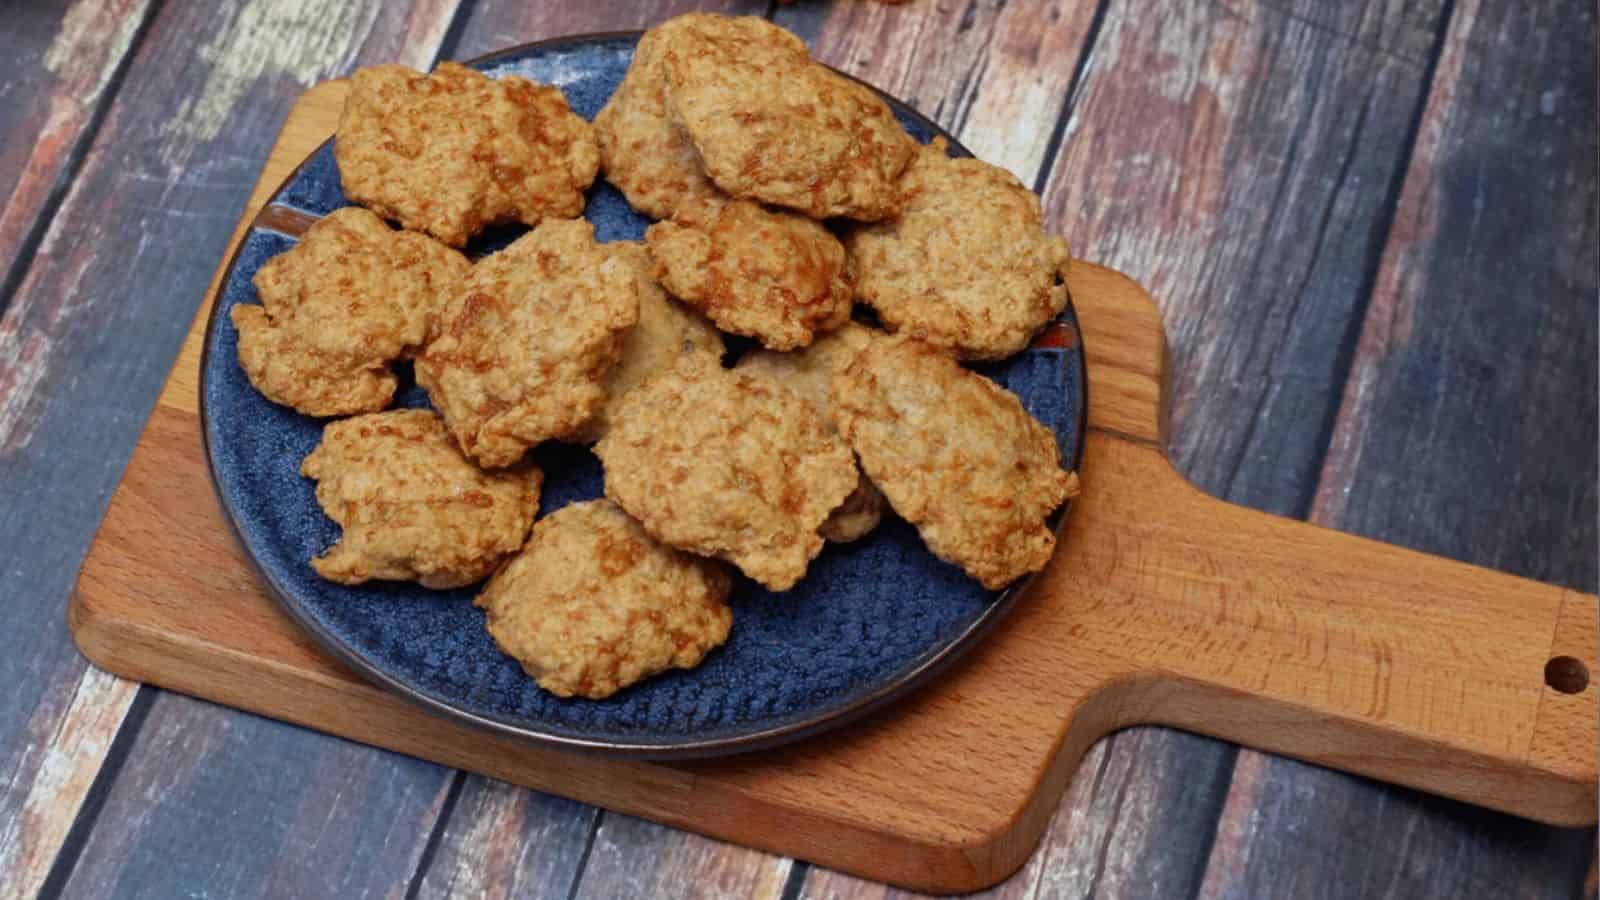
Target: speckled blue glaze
866,616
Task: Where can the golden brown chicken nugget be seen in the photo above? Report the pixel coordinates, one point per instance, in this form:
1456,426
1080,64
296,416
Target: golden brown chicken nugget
858,515
525,343
456,151
666,331
771,125
809,373
723,464
411,506
642,151
594,604
957,456
767,274
352,297
967,265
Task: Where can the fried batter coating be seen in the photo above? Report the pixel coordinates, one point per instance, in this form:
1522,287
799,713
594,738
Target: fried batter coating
525,343
767,274
967,265
771,125
957,456
594,604
456,151
411,506
860,512
809,373
722,464
666,331
353,296
642,151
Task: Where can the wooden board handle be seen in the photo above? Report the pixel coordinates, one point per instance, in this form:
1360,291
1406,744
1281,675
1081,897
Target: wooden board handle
1191,612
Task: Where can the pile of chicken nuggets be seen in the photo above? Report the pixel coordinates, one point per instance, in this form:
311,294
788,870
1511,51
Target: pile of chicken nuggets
785,194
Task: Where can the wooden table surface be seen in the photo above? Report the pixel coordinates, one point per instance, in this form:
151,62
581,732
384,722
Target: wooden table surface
1372,228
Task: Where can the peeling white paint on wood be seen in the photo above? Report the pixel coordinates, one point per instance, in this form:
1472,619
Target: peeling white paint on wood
57,324
24,361
93,39
503,841
69,761
635,858
302,40
999,81
94,36
1032,54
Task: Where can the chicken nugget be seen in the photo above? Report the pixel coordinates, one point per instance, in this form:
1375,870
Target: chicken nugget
666,331
957,456
456,151
352,297
642,151
525,343
767,274
411,506
967,265
594,604
809,373
771,125
723,464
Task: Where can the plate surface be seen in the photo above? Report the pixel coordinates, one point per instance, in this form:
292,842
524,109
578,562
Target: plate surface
870,620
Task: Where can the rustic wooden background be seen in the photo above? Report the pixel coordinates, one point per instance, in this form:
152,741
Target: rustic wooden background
1371,225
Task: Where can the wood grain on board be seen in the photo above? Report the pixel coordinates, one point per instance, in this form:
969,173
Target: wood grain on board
84,346
1467,423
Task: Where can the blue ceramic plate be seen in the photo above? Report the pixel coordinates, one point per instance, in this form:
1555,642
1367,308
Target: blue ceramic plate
870,620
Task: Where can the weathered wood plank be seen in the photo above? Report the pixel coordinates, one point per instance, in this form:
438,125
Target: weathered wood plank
1294,830
633,859
1467,429
995,75
217,802
1477,346
56,726
505,841
61,60
52,778
1235,159
1096,844
84,346
494,26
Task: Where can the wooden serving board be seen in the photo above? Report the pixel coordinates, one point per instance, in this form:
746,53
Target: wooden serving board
1163,605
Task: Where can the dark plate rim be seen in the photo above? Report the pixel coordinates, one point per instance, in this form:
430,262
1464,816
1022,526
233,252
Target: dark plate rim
916,675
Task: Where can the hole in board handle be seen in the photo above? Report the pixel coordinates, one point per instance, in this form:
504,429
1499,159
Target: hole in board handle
1566,674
